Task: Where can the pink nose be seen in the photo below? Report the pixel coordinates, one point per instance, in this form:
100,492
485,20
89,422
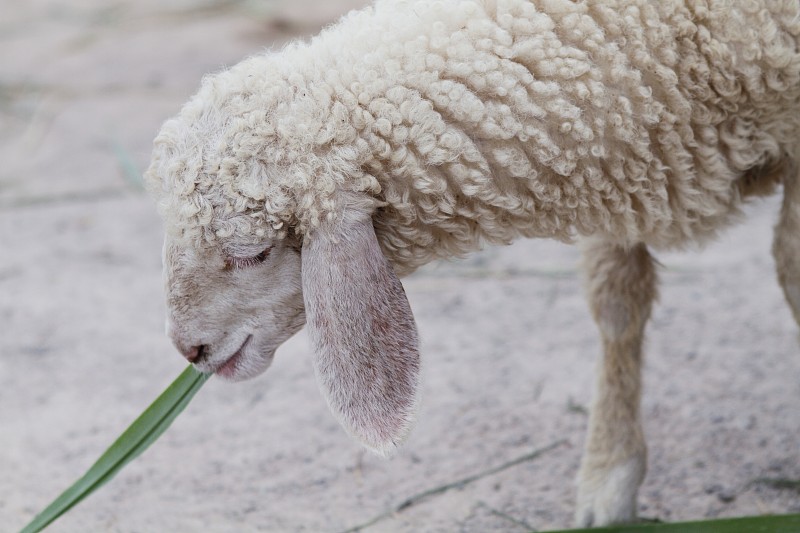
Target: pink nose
184,345
193,354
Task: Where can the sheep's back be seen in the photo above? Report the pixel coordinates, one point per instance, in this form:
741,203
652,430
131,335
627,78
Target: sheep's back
490,120
493,120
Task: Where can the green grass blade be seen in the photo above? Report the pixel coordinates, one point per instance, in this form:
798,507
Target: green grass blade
749,524
143,432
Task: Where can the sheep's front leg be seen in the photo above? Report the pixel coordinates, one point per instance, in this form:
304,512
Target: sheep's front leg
786,246
621,286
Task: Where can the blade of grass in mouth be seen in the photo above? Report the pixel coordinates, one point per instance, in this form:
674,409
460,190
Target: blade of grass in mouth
143,432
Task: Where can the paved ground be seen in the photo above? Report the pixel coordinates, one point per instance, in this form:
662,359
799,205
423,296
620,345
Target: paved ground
508,345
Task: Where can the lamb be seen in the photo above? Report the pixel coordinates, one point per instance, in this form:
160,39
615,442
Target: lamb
298,186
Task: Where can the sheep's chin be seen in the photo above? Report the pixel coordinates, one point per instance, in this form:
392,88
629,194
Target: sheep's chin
245,364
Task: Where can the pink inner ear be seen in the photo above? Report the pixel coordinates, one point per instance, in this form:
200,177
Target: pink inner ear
364,336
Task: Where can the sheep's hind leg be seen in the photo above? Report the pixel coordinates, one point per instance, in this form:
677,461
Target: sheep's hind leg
621,287
786,246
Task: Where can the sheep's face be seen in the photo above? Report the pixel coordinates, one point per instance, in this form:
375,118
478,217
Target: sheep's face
229,310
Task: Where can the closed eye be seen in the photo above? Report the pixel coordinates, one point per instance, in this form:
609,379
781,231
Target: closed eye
246,262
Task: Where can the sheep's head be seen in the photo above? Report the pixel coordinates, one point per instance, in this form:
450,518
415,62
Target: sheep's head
245,266
229,309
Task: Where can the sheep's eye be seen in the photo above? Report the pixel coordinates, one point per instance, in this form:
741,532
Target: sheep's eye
246,262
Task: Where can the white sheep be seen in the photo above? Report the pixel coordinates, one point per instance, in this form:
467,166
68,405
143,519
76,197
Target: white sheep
297,186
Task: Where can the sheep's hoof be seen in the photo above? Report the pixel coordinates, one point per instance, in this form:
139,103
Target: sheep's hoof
608,496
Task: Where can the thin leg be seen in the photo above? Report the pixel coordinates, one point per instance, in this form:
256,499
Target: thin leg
786,246
621,287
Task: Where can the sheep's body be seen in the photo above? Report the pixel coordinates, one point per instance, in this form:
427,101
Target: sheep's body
471,120
414,131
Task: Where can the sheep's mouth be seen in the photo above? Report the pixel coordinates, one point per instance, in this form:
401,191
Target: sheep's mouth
228,368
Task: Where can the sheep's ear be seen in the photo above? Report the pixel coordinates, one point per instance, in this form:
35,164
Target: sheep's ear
363,332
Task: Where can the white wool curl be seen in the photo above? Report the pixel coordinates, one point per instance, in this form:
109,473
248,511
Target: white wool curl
458,122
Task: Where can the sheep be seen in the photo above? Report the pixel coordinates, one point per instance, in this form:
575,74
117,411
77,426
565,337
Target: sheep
298,186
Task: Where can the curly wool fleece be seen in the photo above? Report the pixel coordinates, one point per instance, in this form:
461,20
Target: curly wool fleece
456,122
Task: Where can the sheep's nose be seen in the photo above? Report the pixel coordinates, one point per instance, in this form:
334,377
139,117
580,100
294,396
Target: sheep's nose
193,353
